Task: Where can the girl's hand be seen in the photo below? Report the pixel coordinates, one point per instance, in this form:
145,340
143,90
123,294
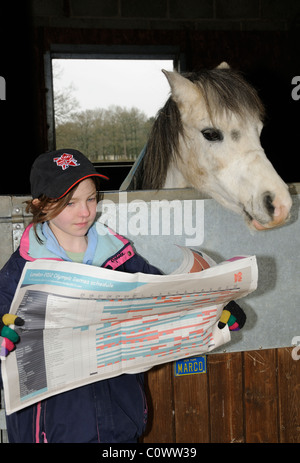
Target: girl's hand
10,337
233,316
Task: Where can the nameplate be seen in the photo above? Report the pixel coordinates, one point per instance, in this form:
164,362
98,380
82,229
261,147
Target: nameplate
190,366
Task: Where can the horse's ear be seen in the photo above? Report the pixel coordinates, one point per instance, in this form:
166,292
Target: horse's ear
183,90
173,77
223,65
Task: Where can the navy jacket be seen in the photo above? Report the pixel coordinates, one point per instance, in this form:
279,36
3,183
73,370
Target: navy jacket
107,411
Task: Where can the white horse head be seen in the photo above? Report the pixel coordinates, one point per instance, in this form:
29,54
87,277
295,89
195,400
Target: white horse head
212,124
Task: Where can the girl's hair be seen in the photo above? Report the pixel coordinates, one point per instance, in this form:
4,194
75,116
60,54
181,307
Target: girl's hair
48,208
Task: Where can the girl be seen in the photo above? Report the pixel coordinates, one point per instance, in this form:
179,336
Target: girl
64,191
63,187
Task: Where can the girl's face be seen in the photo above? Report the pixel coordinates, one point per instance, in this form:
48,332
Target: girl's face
72,224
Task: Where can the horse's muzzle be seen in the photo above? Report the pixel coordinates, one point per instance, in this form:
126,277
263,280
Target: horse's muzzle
278,210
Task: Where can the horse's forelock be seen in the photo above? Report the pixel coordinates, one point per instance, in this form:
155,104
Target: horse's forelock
225,90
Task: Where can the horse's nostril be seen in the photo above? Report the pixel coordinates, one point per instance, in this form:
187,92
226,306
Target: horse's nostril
268,203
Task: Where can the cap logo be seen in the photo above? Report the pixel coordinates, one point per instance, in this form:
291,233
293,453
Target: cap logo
65,161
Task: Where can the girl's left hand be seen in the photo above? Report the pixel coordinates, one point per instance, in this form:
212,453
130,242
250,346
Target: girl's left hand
233,316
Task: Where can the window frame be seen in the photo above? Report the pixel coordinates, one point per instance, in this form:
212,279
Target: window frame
115,52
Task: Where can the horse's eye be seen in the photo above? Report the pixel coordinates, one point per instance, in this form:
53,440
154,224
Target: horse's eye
212,134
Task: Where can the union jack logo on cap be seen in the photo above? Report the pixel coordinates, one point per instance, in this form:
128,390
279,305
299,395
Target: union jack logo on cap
66,160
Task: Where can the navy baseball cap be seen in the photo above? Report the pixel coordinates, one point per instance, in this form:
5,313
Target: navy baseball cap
55,173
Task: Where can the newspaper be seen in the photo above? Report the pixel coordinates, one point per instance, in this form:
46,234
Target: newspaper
84,323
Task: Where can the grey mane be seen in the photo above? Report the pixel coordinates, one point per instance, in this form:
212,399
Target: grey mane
224,90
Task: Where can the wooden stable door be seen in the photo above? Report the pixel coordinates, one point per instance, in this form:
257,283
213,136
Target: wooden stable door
243,397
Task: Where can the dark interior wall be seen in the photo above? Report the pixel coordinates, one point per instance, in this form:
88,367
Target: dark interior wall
167,14
259,37
17,111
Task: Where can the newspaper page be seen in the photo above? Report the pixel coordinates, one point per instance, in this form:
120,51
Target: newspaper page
84,324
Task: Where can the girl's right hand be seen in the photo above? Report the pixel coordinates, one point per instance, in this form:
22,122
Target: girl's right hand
10,337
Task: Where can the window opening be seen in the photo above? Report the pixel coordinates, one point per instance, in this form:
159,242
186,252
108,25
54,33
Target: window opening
106,107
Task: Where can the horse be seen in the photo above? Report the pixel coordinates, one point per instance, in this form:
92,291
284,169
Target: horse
207,136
